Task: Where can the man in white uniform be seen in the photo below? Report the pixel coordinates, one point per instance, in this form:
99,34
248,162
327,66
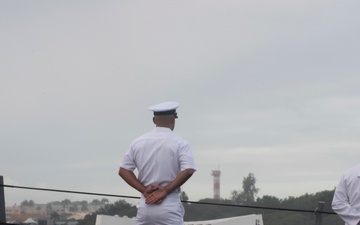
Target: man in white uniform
346,201
164,162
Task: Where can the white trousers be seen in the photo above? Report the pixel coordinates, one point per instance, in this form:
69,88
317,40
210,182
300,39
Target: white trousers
168,212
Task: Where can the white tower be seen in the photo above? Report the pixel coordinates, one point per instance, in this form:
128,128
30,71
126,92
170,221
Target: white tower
216,174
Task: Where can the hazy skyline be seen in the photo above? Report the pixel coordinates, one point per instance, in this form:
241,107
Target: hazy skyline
267,87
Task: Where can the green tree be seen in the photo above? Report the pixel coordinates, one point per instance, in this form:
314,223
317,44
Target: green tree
269,201
24,203
84,205
89,219
105,201
84,202
66,203
120,208
73,208
48,208
96,202
54,216
249,189
31,203
183,196
38,209
84,208
249,192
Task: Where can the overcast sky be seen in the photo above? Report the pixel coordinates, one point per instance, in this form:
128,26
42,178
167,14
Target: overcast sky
267,87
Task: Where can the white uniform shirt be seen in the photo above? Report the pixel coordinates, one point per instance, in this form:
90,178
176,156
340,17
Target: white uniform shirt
346,201
159,156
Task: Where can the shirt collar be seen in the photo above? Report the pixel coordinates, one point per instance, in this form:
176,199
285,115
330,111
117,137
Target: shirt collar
162,129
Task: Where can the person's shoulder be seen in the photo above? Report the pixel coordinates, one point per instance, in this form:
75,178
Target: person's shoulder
179,138
354,170
356,167
142,137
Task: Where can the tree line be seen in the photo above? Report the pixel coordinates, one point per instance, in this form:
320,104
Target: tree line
242,202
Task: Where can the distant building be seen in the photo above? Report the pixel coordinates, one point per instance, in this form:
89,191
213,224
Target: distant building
12,210
21,213
216,174
69,213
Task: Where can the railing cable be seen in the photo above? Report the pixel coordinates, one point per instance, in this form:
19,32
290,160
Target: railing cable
192,202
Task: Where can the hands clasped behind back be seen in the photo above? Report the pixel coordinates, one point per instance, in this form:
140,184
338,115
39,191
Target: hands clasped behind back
154,194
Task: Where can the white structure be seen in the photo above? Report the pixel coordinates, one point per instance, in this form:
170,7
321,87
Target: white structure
240,220
114,220
30,221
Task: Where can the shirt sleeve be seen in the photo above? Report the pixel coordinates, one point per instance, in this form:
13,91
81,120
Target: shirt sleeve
128,162
341,204
186,158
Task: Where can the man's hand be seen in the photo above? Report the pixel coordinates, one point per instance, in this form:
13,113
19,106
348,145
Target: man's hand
150,189
156,196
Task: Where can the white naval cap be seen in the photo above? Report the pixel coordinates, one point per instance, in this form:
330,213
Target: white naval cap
165,108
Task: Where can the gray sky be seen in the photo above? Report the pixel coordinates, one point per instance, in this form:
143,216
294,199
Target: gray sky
268,87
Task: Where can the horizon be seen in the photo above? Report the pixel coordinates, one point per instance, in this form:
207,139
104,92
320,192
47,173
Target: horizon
130,199
268,87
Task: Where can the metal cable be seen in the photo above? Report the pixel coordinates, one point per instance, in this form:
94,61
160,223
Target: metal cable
192,202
